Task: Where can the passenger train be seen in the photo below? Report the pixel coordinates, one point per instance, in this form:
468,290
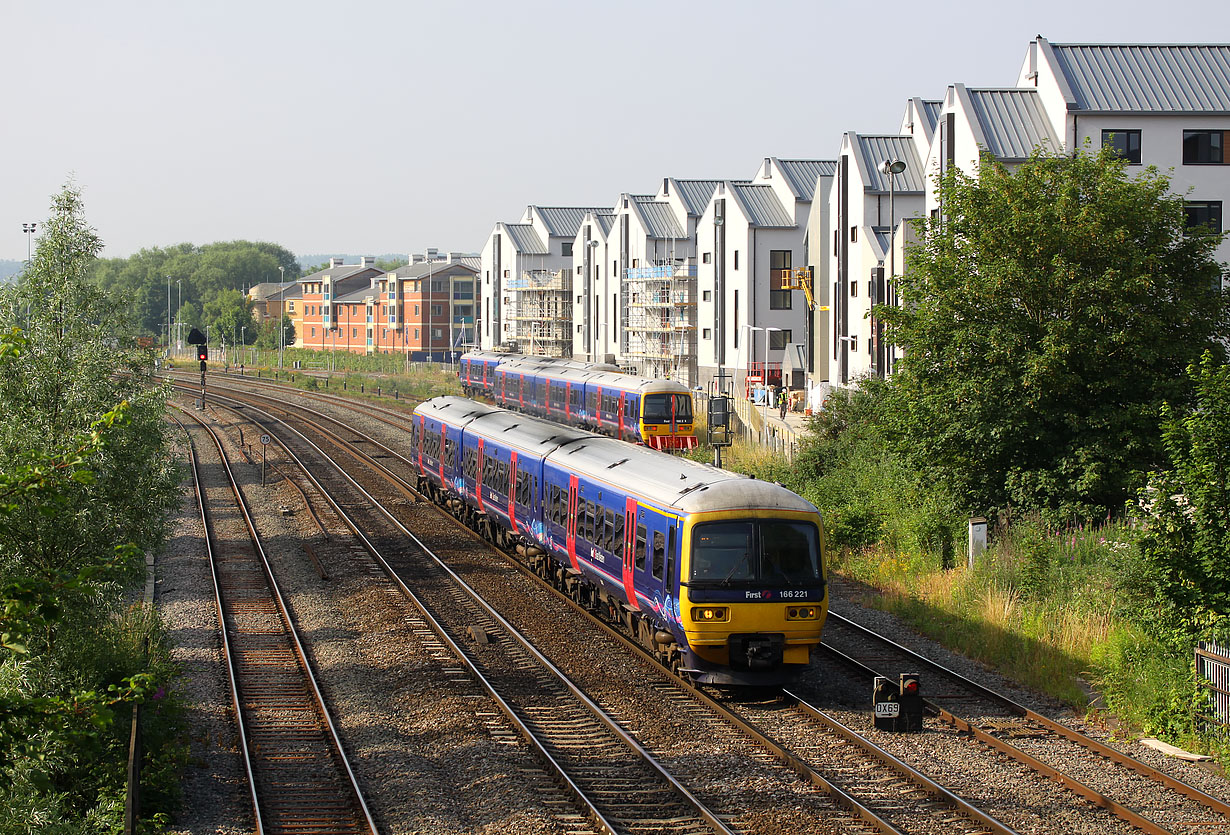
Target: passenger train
720,576
593,396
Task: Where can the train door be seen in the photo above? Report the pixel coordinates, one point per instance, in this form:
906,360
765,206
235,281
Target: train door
571,535
629,551
478,475
512,491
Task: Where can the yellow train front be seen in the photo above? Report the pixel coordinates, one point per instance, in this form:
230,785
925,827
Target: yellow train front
752,592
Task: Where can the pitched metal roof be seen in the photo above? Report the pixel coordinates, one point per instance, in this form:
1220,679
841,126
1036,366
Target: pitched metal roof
760,205
564,221
660,220
695,194
606,220
1013,122
1146,78
803,174
525,238
873,150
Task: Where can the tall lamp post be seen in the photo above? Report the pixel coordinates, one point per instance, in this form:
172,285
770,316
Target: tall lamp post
29,229
427,254
891,167
168,315
179,286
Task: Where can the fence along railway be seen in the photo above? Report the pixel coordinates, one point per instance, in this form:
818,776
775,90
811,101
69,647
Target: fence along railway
299,777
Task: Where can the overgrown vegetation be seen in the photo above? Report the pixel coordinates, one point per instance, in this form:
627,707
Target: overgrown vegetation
84,465
1064,374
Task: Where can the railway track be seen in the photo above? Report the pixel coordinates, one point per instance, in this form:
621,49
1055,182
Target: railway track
923,806
840,767
1027,736
298,774
618,785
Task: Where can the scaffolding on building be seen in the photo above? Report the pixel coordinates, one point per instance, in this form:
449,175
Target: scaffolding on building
540,308
661,321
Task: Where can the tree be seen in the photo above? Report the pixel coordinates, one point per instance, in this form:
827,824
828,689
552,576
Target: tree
228,314
1046,315
86,479
1186,536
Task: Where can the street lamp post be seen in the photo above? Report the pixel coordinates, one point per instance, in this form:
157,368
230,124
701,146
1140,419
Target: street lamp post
168,315
29,229
179,285
891,167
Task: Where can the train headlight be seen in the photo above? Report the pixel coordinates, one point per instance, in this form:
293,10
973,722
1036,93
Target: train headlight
710,614
802,613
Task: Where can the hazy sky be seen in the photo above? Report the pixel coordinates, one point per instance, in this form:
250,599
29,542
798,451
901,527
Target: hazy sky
378,127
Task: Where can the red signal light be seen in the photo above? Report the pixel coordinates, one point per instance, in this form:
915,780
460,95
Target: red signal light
202,352
910,686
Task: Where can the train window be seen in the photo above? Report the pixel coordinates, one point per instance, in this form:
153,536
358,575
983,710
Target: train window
552,500
619,535
641,533
670,554
789,551
574,397
592,407
762,552
592,525
414,436
608,531
659,553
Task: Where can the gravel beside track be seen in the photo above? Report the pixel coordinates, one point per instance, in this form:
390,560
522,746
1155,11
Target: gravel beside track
435,760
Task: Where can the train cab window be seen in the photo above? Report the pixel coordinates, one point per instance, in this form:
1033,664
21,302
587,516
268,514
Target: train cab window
768,551
662,408
641,534
659,553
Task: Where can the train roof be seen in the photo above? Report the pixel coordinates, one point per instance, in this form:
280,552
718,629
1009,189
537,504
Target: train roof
644,385
527,434
671,481
663,479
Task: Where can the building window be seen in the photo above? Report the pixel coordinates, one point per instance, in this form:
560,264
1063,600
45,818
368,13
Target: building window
706,258
736,318
313,331
706,334
853,234
736,259
707,296
354,332
853,289
854,343
778,340
437,310
1203,213
780,266
1125,143
1204,147
565,248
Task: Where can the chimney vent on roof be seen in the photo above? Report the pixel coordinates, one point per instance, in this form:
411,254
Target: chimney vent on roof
367,260
768,168
336,262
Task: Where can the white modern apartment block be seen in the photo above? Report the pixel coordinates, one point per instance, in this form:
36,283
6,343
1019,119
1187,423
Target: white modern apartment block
868,203
526,271
1166,105
750,240
593,337
646,285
